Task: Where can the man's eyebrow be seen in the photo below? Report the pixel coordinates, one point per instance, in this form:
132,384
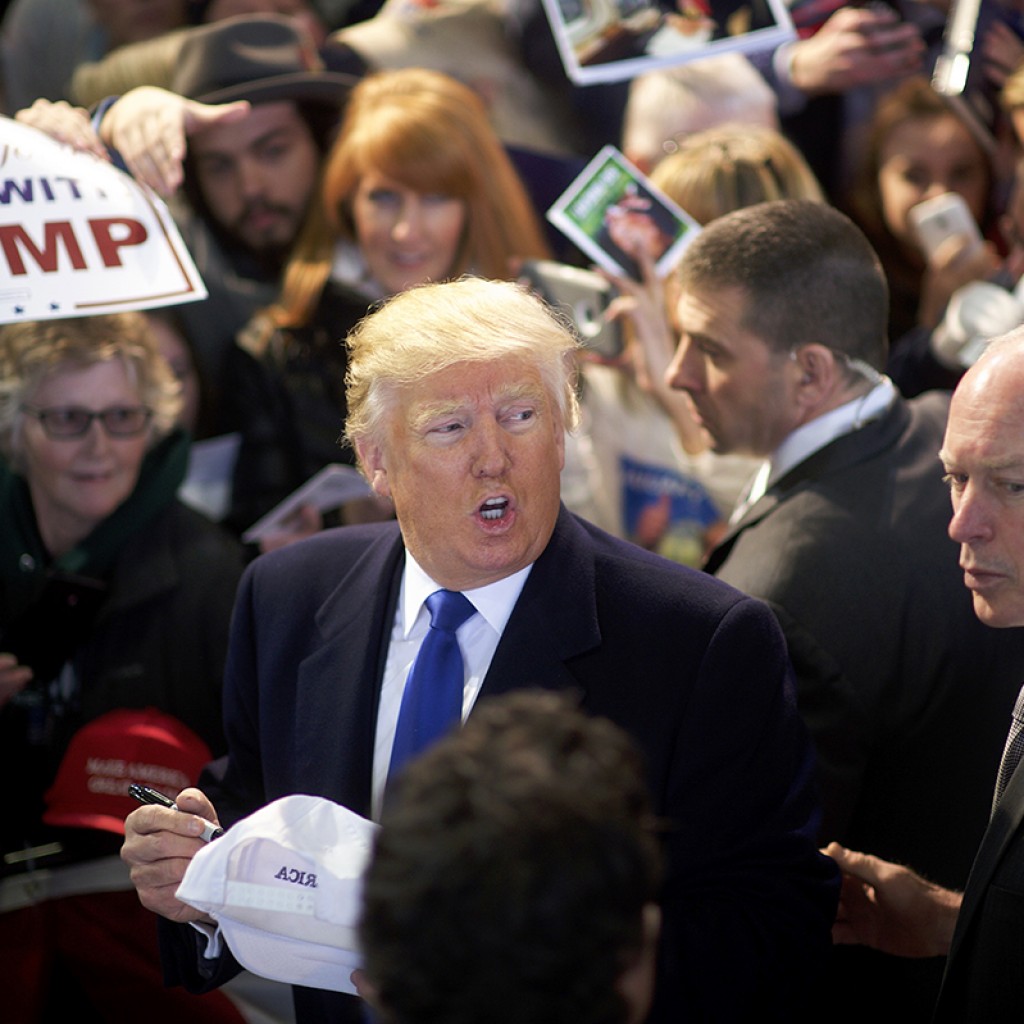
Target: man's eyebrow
702,338
424,414
517,392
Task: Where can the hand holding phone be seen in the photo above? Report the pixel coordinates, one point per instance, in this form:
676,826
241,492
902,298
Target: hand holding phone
857,45
147,795
942,217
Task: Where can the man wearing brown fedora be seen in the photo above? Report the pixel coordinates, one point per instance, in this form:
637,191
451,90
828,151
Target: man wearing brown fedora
247,167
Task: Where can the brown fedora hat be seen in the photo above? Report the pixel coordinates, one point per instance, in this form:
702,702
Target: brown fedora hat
263,59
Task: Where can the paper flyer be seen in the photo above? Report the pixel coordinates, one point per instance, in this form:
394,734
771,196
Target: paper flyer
330,488
612,40
612,210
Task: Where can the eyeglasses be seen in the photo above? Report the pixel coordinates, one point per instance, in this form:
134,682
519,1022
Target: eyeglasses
65,422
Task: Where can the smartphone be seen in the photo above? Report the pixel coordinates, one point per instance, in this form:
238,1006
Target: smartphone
938,218
584,296
147,795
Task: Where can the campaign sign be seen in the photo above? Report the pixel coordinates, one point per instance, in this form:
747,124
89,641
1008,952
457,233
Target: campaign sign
80,237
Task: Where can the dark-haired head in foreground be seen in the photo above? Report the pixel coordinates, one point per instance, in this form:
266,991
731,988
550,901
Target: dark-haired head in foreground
514,875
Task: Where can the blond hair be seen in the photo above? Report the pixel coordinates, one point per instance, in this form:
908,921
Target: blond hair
430,327
732,166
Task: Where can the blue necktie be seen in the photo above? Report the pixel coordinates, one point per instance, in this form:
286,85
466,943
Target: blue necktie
432,701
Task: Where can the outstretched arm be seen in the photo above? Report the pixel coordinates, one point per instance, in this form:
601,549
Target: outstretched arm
645,306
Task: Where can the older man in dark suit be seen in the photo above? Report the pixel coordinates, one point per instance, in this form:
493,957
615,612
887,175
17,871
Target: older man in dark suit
458,397
889,906
843,534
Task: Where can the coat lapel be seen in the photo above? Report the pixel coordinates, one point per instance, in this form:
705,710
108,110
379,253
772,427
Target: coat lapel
336,723
554,619
753,515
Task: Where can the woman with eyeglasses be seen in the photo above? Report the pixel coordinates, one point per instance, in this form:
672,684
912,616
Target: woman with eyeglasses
113,597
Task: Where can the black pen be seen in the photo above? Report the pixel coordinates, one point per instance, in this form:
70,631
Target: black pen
146,795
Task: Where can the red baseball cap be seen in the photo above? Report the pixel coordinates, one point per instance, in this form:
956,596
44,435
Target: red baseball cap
114,750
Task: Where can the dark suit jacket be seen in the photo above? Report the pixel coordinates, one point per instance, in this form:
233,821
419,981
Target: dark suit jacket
984,980
695,671
907,695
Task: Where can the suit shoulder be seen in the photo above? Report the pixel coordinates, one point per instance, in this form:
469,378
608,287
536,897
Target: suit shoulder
930,407
324,556
633,571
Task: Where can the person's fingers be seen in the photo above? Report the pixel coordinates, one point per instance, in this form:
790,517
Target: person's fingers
199,116
154,152
851,862
65,123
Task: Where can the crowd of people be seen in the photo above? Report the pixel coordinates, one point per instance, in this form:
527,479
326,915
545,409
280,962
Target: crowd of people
732,541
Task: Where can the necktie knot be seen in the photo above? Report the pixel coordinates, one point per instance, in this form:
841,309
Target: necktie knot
448,610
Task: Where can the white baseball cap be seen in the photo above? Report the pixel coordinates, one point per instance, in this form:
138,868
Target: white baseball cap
285,887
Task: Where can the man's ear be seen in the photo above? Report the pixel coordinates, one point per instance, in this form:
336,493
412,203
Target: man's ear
818,373
560,433
374,466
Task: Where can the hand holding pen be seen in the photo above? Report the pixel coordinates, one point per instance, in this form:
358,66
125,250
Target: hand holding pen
159,846
146,795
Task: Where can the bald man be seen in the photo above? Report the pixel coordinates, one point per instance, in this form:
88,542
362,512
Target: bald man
888,906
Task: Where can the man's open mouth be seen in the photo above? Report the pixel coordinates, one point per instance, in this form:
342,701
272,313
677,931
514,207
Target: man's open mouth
494,508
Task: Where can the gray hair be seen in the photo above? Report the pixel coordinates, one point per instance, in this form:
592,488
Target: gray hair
31,351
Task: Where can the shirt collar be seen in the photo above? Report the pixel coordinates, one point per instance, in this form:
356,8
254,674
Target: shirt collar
844,419
494,602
